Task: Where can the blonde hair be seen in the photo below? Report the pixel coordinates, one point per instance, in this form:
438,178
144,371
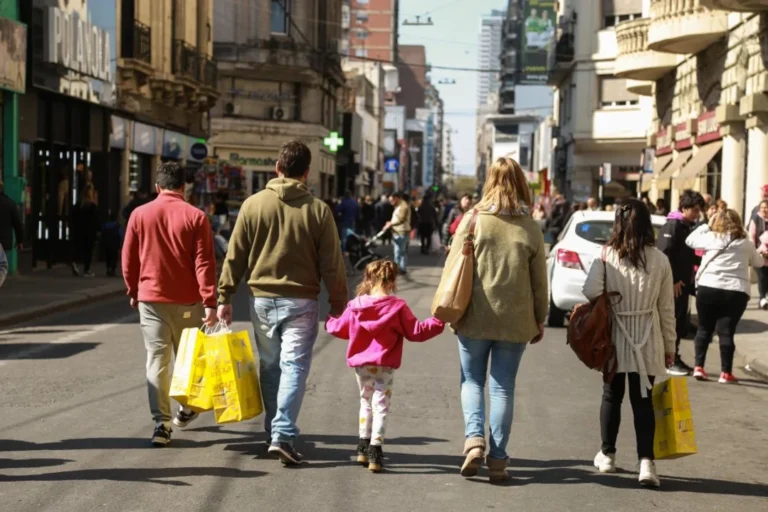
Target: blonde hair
728,222
721,205
380,275
506,189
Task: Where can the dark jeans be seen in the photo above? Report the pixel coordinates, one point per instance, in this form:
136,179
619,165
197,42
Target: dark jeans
762,281
86,252
111,254
425,232
642,408
719,311
681,318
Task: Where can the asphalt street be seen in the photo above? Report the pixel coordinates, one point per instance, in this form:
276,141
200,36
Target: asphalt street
75,424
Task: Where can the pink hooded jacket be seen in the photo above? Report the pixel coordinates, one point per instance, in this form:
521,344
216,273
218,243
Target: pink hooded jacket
375,328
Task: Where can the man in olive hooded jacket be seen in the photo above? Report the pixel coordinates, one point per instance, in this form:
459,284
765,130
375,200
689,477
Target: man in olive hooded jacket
284,242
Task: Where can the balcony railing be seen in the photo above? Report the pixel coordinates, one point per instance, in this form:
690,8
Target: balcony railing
186,61
210,72
684,26
562,54
736,5
137,44
634,59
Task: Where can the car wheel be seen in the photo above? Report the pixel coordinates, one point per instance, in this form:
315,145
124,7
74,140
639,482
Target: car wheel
556,317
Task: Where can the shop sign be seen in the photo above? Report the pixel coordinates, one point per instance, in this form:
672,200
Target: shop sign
13,55
708,128
198,151
77,44
646,159
683,134
145,139
263,95
663,142
173,145
261,163
117,133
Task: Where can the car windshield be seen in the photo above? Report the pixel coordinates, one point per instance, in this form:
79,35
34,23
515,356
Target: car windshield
599,231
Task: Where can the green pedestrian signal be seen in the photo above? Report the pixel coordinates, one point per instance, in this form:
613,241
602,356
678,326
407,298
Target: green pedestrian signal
334,142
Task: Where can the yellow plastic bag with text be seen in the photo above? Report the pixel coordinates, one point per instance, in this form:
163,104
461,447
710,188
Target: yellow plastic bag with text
235,380
190,386
675,435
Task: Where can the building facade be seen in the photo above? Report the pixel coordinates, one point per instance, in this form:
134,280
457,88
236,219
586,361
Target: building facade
488,53
601,119
279,78
115,87
370,30
702,64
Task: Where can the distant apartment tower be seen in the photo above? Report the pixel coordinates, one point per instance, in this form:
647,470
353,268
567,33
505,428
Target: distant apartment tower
489,49
370,29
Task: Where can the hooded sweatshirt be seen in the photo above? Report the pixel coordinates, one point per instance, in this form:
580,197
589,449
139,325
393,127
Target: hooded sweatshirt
671,241
375,328
284,242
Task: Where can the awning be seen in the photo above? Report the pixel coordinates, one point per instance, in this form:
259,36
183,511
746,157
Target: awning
616,190
698,163
663,179
659,164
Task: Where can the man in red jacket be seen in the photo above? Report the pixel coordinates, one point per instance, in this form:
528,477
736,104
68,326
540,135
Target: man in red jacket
169,267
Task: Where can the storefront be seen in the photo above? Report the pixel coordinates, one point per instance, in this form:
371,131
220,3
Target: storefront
703,172
65,118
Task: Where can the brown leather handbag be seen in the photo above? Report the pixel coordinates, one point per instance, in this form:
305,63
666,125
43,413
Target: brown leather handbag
455,290
589,331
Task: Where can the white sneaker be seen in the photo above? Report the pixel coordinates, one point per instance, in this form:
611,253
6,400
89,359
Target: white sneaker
605,463
648,476
763,303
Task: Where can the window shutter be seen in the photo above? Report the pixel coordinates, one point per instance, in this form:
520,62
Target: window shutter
621,7
614,90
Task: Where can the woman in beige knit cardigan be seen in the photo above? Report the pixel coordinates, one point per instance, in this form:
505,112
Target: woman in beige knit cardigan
643,330
506,312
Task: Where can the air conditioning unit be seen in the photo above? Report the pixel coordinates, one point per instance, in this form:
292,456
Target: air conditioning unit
231,109
278,114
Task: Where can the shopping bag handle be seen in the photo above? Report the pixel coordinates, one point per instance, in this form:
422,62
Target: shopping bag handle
221,327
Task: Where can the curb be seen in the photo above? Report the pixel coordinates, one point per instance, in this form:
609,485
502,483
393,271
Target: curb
58,306
757,368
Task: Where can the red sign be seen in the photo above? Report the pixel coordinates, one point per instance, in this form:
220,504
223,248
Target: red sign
663,142
708,128
683,136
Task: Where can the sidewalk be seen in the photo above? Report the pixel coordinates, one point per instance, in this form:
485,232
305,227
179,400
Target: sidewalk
32,293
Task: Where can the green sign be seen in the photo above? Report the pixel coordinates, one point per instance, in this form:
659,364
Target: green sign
334,142
538,38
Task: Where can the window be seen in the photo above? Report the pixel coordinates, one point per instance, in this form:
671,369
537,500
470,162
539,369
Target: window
362,34
616,11
361,52
614,93
361,16
280,16
362,2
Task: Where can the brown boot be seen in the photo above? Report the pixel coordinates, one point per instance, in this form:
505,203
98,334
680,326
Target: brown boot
497,470
474,449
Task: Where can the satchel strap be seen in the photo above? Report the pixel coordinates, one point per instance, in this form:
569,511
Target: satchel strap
472,224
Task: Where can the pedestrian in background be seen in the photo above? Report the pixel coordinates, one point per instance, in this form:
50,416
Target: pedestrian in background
758,226
592,205
284,243
401,229
427,224
723,287
112,241
510,257
643,330
347,213
457,212
682,259
661,207
384,210
3,266
10,221
139,198
85,231
169,268
375,323
367,216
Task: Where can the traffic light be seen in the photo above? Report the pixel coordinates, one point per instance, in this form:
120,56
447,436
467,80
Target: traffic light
435,188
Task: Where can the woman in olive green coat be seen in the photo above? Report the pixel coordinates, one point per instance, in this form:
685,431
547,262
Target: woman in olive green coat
506,312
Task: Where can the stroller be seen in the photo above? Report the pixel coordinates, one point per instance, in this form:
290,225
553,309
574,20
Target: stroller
361,250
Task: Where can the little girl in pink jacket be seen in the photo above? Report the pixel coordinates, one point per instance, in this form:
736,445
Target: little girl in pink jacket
375,323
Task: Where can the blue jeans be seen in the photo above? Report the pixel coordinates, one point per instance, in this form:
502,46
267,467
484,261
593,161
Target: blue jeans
344,231
401,251
505,361
285,332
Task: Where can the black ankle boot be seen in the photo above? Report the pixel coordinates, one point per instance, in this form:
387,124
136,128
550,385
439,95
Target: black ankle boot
362,451
375,459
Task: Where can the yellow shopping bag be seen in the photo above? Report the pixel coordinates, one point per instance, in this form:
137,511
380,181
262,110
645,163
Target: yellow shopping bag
190,385
232,366
675,436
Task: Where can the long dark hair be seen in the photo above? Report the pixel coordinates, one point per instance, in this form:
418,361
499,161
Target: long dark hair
632,232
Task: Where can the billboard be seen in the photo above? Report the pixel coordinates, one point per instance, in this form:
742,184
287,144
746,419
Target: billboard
538,35
13,55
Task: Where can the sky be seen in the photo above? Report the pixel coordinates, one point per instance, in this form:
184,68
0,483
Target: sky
452,41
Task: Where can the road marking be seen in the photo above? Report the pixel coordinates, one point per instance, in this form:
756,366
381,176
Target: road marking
75,336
